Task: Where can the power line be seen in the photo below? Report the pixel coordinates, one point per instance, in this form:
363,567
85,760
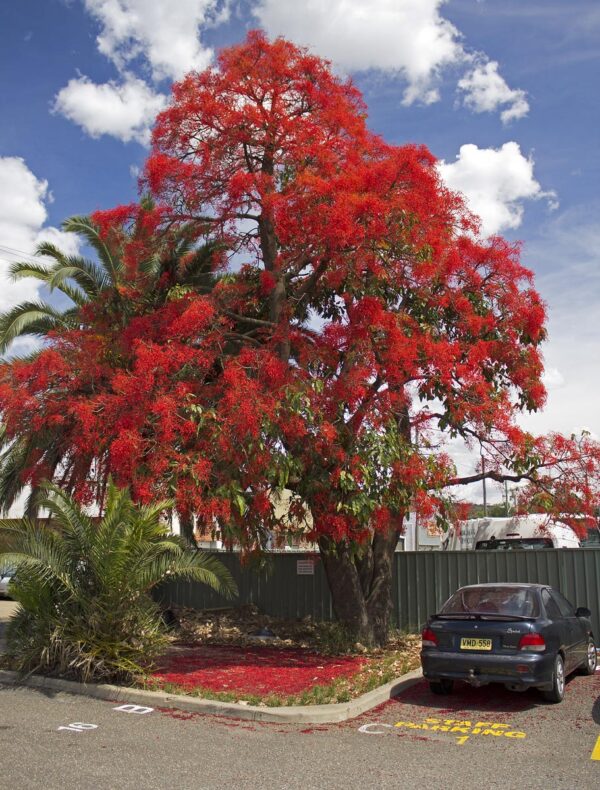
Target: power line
21,253
13,249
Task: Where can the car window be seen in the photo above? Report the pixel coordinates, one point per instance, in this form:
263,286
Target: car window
519,601
565,607
551,606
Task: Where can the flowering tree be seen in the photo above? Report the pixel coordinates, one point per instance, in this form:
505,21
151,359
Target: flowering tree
353,319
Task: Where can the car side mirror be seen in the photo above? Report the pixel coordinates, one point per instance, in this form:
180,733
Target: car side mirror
583,611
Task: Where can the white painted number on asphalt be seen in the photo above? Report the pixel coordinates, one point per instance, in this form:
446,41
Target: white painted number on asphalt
366,729
79,726
134,709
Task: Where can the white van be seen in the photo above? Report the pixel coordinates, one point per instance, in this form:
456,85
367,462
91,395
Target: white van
532,531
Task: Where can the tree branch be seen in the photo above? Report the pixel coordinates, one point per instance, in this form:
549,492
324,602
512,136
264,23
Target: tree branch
247,320
499,477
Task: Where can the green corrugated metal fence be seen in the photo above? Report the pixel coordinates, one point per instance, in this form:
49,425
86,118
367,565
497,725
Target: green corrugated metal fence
277,589
422,582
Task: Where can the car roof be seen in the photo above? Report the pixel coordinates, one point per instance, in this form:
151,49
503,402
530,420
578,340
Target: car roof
508,585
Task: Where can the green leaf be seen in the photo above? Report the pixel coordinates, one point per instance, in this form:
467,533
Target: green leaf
240,503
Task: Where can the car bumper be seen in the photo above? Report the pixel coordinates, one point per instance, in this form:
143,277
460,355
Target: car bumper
522,669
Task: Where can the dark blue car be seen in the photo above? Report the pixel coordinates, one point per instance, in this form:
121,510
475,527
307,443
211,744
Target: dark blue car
521,635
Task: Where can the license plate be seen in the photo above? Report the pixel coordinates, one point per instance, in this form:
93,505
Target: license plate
467,643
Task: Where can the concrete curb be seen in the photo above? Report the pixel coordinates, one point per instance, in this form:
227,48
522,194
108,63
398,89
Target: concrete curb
297,714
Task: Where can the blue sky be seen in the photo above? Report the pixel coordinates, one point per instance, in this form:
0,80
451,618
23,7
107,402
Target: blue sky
505,92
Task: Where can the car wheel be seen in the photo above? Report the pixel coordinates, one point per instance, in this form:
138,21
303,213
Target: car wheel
443,686
557,692
591,661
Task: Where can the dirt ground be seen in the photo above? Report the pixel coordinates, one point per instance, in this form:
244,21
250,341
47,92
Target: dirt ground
246,625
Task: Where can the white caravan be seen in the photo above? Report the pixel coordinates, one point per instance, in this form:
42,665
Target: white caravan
533,531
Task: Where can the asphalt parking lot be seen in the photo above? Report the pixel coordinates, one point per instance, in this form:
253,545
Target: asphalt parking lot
486,737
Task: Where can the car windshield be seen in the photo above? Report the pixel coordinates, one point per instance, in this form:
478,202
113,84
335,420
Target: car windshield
505,601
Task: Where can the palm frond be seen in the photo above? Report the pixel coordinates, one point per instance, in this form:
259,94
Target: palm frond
178,563
76,294
12,464
19,270
63,508
90,278
26,357
29,318
15,457
152,266
148,516
37,552
198,268
84,227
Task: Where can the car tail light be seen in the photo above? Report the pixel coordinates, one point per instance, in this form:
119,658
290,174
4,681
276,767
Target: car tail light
428,638
533,643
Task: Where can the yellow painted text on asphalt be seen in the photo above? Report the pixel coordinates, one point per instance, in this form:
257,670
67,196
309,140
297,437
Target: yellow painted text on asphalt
464,728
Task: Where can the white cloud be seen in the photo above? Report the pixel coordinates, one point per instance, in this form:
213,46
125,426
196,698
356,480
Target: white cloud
495,182
160,37
23,199
553,378
125,111
486,91
405,36
164,32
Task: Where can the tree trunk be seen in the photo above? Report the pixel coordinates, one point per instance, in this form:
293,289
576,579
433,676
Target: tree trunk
361,586
186,526
349,602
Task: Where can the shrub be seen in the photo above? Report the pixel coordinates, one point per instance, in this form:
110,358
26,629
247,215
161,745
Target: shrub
84,586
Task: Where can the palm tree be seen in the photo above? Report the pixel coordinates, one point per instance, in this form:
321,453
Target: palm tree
78,278
84,587
84,281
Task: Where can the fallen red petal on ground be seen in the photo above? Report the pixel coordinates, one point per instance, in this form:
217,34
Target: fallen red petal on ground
260,671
